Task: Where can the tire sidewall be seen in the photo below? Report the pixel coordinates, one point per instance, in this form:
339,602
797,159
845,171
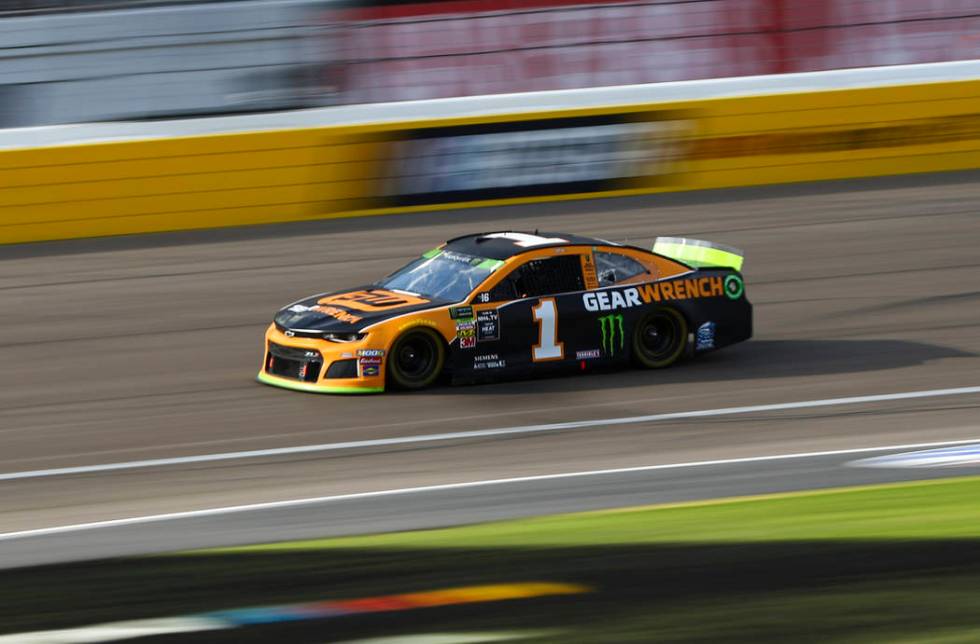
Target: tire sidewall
643,360
396,380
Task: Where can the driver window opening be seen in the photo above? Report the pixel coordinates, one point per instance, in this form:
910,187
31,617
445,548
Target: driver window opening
540,277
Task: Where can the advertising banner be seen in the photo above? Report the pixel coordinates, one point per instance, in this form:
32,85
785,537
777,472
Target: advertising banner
534,157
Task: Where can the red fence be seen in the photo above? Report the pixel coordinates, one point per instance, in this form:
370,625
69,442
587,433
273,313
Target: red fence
409,50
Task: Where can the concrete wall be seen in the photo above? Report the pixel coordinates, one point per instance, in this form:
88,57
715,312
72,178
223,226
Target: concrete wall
155,62
111,179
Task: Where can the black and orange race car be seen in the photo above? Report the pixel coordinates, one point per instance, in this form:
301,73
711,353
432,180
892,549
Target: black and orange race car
512,305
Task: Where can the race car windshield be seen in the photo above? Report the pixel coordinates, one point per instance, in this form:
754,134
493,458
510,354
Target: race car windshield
443,275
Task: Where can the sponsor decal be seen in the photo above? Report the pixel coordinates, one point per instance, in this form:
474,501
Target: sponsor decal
538,157
461,258
734,287
369,365
705,338
370,353
419,322
467,338
488,361
374,300
487,325
613,333
457,312
368,370
588,271
311,354
590,354
681,289
303,368
466,332
339,314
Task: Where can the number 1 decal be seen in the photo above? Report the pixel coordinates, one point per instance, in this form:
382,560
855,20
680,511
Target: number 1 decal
548,347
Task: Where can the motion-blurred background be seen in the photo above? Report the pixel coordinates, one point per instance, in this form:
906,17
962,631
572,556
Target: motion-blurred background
131,425
69,61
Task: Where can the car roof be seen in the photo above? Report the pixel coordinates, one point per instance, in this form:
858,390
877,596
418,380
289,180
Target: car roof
505,244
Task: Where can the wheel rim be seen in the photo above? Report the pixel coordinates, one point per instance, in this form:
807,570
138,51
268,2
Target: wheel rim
415,358
658,337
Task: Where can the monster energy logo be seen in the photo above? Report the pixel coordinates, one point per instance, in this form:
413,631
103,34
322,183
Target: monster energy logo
609,324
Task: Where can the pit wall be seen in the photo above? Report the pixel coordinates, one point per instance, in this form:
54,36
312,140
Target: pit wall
89,181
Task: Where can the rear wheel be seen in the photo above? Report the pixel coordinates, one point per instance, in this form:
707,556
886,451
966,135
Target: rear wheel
416,359
659,339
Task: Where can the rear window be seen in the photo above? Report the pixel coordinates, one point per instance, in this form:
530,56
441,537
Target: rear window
612,268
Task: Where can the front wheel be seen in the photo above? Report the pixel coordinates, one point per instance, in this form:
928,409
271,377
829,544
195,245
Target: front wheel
659,339
416,359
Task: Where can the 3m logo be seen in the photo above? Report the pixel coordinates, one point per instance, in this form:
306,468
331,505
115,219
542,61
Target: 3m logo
613,334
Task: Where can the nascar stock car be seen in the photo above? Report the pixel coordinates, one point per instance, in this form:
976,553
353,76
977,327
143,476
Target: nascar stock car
509,305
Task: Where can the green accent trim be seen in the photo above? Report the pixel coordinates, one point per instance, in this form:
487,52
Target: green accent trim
734,287
429,254
312,388
699,256
490,264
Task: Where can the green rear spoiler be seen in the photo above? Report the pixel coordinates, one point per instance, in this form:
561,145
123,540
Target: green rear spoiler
698,253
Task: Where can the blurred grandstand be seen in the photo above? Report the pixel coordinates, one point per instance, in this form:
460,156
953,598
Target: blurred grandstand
398,51
87,60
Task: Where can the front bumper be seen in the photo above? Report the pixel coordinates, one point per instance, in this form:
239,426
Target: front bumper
315,388
282,369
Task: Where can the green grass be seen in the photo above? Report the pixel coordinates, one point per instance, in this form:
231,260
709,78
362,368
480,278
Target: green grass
893,563
940,509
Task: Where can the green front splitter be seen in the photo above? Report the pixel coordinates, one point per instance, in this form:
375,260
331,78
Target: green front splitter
309,387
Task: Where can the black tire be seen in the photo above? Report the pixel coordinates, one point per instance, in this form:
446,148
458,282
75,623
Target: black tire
416,359
659,339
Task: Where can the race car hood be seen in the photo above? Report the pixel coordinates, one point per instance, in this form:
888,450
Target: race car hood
350,311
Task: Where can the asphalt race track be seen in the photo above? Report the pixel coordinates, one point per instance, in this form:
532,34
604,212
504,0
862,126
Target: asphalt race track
129,349
431,508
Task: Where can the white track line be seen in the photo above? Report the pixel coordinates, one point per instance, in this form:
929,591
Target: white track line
274,505
481,433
